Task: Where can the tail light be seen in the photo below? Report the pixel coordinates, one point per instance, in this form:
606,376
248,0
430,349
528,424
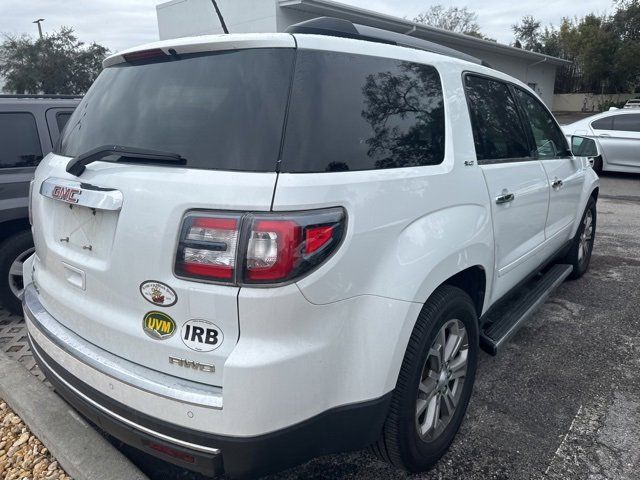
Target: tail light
257,248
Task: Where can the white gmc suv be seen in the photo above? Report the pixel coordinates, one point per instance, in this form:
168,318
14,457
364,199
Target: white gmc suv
256,249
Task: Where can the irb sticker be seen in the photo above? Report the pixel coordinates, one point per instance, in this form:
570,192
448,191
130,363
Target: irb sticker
201,335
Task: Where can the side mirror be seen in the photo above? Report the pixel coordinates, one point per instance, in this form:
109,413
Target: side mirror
584,147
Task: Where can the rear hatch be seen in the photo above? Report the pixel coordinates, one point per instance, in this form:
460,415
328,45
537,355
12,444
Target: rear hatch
107,239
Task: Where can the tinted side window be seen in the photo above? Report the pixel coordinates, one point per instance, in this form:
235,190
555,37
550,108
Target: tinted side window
550,141
603,124
19,140
627,123
354,112
497,130
61,119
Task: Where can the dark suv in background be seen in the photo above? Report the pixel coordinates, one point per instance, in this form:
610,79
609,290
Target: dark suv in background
30,126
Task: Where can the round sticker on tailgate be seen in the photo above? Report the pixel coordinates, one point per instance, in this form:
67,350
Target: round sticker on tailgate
201,335
158,325
158,293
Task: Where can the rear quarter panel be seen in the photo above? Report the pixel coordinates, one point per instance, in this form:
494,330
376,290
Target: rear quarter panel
409,229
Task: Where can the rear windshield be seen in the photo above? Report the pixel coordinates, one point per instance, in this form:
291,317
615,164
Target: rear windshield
356,112
222,111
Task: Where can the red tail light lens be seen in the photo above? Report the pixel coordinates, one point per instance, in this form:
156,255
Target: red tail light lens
271,248
207,247
271,251
317,237
144,55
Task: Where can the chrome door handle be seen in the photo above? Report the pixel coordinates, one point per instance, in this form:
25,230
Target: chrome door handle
505,197
557,183
604,135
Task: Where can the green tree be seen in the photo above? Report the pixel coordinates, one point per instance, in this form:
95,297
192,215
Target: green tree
604,49
528,34
57,63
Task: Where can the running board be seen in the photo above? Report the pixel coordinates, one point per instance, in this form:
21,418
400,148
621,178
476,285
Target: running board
501,322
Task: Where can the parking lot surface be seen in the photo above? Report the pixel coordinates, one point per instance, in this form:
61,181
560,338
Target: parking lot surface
560,401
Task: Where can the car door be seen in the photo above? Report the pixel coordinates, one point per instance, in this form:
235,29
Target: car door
619,138
20,152
565,173
516,181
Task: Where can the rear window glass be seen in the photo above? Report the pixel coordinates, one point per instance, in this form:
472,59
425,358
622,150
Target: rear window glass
355,112
222,110
61,119
19,140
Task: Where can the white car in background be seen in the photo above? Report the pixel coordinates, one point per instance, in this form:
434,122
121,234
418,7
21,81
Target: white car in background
632,103
618,134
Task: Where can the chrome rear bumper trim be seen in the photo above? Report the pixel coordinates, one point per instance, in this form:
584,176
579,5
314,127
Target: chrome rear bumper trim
182,443
134,375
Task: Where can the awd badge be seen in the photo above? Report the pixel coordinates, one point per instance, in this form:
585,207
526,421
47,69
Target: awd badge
158,325
158,293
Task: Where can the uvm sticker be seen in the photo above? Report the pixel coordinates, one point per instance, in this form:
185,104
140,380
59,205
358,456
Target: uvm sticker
158,325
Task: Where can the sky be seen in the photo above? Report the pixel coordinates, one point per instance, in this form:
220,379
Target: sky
119,24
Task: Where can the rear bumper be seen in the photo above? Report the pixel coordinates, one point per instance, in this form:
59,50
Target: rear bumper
342,429
339,429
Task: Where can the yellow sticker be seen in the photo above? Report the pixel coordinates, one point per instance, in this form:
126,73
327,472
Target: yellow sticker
158,325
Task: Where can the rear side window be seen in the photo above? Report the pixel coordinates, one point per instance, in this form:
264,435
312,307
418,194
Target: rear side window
355,112
550,141
603,124
627,123
221,110
498,133
19,140
61,119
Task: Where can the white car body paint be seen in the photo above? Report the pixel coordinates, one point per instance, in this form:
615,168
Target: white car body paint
334,337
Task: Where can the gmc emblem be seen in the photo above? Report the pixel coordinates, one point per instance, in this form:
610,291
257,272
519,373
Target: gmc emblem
66,194
182,362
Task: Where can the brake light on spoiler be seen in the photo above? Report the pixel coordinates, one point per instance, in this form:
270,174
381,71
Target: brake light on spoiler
256,248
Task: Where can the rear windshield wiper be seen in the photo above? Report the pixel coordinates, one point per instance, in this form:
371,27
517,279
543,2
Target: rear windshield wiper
78,164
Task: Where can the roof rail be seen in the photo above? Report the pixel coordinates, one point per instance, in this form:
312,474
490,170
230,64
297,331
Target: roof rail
39,95
338,27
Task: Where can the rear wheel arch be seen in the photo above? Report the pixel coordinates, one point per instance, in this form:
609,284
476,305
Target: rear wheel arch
595,193
473,281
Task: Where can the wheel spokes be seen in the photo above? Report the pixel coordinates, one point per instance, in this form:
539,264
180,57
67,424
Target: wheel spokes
442,379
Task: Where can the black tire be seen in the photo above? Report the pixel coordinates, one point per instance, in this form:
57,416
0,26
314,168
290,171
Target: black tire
400,443
580,262
12,248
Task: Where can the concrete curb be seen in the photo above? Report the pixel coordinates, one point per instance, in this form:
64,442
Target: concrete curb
79,448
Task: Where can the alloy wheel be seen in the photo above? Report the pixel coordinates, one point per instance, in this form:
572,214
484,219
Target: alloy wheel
16,280
442,380
586,237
